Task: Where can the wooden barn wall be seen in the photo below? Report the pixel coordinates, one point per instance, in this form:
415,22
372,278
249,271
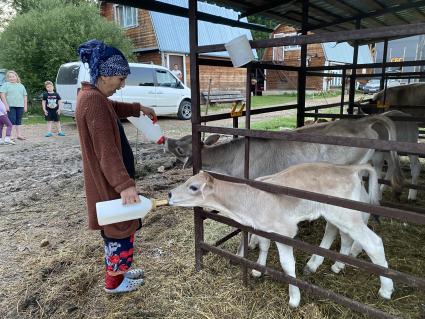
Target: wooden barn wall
143,35
222,78
283,80
152,57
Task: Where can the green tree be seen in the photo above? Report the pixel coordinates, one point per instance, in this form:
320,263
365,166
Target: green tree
259,35
36,43
24,6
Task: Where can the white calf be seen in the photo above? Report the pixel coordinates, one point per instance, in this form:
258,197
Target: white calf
280,213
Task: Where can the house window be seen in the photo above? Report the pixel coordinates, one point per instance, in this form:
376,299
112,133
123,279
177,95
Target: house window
126,16
291,47
279,52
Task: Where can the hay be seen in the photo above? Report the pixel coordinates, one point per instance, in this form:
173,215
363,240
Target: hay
64,279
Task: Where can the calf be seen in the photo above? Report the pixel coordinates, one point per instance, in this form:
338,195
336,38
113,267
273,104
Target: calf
280,214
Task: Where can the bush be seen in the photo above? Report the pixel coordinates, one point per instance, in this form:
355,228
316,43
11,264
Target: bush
37,42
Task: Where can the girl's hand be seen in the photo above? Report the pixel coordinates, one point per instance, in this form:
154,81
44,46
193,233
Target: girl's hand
130,196
149,112
25,109
58,111
45,112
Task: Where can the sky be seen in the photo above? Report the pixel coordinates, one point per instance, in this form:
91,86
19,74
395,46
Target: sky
6,13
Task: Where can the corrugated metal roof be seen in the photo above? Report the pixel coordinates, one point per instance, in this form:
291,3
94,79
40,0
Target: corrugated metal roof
343,53
172,32
335,15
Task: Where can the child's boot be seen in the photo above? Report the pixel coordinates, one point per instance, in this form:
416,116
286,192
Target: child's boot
61,134
48,134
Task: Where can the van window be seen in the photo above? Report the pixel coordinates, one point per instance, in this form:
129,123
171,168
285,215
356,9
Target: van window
68,74
166,79
140,77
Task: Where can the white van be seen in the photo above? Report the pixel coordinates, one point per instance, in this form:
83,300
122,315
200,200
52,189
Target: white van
149,84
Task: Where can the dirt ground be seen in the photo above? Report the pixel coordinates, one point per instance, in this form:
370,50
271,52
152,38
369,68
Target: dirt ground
52,265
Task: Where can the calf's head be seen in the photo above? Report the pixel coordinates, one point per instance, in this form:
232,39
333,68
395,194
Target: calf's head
182,147
193,192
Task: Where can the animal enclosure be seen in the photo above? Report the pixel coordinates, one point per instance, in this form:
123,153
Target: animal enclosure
355,26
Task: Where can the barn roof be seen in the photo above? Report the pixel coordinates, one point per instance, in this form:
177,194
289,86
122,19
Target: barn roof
334,15
172,32
343,52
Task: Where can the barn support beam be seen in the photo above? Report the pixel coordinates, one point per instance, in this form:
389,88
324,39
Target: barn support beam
302,73
352,93
196,119
384,61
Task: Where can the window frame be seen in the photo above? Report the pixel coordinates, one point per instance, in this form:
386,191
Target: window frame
125,10
177,82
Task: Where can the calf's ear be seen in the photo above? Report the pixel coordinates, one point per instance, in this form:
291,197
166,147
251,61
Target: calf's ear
212,139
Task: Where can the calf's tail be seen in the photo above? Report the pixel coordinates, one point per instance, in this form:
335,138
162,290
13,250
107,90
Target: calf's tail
397,177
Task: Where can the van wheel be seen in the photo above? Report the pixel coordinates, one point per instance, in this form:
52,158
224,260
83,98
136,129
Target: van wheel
185,110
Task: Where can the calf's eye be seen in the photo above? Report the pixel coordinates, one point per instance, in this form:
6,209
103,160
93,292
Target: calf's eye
193,188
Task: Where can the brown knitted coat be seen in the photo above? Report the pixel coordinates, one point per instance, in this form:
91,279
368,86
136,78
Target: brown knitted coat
105,175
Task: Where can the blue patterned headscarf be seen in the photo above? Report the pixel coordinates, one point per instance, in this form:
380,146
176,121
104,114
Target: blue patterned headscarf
103,60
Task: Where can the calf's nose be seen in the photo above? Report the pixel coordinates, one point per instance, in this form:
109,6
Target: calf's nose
169,195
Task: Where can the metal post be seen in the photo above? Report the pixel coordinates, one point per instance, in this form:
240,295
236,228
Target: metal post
384,61
344,74
353,73
302,73
196,119
246,165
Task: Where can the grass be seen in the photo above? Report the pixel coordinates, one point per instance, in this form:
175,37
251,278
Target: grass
275,124
35,115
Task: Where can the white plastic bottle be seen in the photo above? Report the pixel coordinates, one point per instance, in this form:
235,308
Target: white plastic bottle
151,130
113,211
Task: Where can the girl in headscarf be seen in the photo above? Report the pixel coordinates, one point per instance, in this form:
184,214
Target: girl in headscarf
108,160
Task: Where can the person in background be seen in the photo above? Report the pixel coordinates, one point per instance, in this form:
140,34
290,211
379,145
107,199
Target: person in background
51,107
177,72
4,120
14,96
108,161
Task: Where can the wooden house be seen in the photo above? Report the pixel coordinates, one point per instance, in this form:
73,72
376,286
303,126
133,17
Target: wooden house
163,39
318,54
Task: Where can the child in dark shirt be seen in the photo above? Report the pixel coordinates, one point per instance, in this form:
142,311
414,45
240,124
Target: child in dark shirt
51,106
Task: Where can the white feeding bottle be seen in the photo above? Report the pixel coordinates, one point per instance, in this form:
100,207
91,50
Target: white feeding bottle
113,211
149,129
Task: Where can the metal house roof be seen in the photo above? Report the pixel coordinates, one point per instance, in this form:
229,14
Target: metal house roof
172,32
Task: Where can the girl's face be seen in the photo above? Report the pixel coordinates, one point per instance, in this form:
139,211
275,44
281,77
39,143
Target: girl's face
11,77
108,85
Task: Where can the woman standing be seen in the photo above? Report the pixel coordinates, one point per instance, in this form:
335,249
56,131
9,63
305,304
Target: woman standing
14,96
108,159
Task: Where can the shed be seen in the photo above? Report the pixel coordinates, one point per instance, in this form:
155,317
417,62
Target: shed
163,39
318,54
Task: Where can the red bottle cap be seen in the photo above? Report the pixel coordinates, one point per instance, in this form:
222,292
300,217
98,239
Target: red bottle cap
161,140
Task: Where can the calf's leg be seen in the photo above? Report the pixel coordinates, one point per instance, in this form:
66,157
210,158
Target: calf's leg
264,245
415,169
346,243
316,260
374,248
287,261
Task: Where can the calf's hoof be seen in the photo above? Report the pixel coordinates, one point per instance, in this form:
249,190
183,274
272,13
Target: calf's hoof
385,293
307,271
294,302
337,267
256,273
